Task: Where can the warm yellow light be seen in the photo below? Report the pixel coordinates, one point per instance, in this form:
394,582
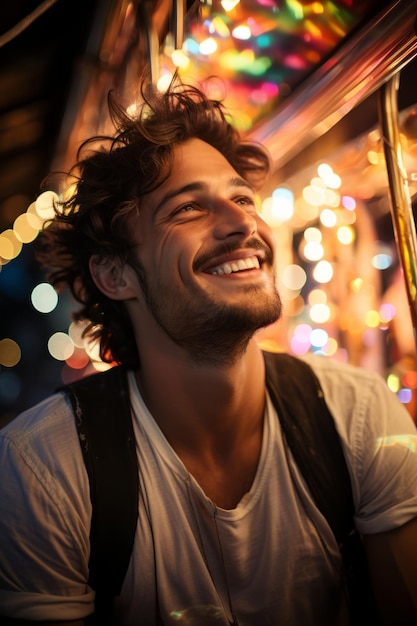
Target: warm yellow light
93,349
326,173
317,296
296,9
45,204
247,56
323,272
373,157
218,26
314,195
331,347
60,346
324,170
294,277
372,319
346,235
318,182
33,218
75,331
208,46
164,82
242,32
23,228
312,235
317,7
229,5
393,382
10,353
334,182
10,245
332,198
313,251
320,313
357,284
180,59
328,218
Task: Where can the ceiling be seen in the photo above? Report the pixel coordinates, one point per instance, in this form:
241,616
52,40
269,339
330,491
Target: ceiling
36,67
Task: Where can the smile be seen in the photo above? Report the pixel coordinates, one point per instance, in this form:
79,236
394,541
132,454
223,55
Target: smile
252,263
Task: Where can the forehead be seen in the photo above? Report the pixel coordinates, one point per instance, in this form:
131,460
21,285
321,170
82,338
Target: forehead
195,156
196,165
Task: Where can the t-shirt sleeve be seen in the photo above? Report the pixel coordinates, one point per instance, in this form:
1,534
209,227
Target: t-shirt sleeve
44,517
380,443
386,463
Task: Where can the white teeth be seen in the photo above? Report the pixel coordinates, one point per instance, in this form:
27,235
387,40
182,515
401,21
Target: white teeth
237,266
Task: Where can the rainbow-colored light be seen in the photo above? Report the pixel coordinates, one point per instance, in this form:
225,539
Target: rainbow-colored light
261,49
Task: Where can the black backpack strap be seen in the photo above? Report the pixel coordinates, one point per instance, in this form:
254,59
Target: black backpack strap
311,434
102,411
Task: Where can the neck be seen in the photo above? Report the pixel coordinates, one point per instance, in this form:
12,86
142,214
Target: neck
211,414
200,403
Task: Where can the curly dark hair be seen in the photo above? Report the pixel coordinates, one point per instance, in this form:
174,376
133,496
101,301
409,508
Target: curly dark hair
110,181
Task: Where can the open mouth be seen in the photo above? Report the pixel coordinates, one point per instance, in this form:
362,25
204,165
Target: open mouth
239,265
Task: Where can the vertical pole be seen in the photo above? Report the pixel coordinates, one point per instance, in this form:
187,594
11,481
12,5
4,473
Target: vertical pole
400,201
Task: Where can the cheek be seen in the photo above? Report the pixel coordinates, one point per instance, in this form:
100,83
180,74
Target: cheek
266,232
169,259
169,253
152,251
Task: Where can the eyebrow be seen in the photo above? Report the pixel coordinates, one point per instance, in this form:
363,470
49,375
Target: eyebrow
236,181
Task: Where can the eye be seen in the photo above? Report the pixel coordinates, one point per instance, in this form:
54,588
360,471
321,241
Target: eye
245,200
188,209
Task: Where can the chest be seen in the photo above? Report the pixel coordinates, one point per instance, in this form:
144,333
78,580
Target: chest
224,482
189,553
224,488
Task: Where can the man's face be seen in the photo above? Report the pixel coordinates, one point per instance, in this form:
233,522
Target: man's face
204,254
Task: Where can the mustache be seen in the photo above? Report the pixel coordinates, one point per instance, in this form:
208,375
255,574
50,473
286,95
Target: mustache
224,249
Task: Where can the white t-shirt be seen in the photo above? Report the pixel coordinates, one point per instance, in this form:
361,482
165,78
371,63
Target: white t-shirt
271,560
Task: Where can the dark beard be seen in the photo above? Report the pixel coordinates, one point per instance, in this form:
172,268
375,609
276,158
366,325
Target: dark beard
212,333
222,338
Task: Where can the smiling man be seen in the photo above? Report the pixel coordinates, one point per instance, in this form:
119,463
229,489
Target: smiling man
162,245
203,269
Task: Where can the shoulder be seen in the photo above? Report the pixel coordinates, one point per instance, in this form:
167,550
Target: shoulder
50,418
46,491
357,393
360,399
379,440
337,373
41,444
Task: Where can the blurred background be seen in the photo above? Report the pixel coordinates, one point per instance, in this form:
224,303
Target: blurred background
329,87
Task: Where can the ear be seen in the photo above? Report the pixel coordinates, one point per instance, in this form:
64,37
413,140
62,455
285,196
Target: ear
112,277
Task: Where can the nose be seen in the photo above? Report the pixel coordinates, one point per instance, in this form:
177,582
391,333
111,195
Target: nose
233,219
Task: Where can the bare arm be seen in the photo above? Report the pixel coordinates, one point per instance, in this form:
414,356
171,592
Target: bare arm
392,558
